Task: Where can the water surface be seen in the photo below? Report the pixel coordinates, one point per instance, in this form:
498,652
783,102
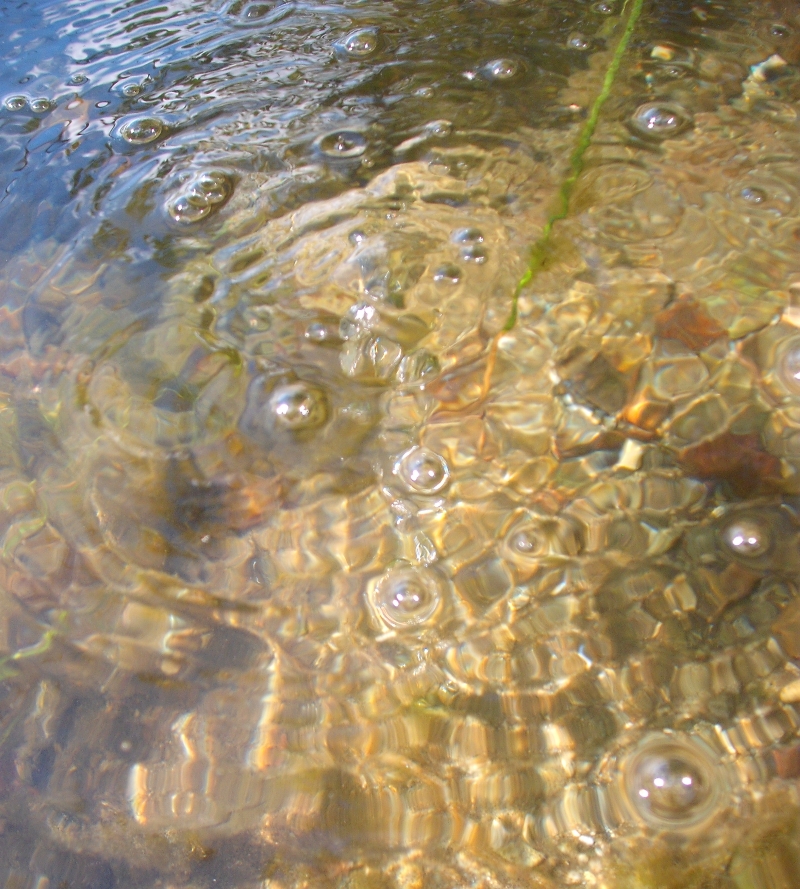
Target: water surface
315,570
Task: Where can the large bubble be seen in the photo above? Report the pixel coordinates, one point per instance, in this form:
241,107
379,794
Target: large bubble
672,781
422,471
657,120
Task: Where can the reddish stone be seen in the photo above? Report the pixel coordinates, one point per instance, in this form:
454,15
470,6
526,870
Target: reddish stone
739,460
685,320
787,762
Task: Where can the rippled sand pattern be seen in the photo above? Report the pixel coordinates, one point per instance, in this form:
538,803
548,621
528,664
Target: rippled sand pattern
315,571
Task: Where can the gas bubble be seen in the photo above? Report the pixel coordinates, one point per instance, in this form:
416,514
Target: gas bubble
406,596
660,121
141,130
422,470
672,782
342,144
296,407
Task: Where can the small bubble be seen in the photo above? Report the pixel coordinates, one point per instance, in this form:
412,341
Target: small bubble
298,406
356,237
78,79
258,318
41,105
474,253
658,121
16,103
141,130
447,274
422,470
361,43
343,144
578,41
255,11
425,92
603,8
258,13
502,69
439,128
747,536
754,195
539,536
131,89
467,236
527,542
671,782
406,596
779,31
789,366
322,332
185,209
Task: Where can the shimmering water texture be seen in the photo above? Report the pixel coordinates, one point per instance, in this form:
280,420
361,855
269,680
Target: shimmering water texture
334,556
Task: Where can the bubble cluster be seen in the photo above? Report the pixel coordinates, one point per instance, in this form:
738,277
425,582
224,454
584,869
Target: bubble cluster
422,470
672,782
342,144
201,195
659,121
406,596
141,130
296,407
747,536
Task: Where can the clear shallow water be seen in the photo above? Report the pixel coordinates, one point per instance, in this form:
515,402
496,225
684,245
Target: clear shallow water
311,573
